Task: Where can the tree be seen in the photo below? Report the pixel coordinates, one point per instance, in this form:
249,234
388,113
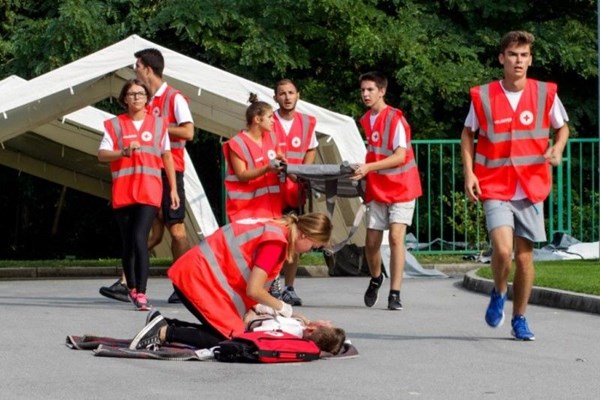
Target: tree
432,51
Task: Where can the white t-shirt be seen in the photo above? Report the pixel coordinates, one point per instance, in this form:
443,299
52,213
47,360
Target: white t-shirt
399,136
108,144
182,108
292,326
286,124
558,117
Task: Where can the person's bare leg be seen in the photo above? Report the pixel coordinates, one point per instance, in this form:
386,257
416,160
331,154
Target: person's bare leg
397,255
156,233
524,275
373,251
290,269
179,242
502,248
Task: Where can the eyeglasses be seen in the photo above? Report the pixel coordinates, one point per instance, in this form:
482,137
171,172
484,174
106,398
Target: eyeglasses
134,95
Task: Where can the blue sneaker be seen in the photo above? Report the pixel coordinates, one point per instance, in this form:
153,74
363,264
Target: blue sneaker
494,315
520,329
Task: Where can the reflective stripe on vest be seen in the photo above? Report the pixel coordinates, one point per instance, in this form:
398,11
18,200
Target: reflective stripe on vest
539,132
299,155
238,195
236,244
153,150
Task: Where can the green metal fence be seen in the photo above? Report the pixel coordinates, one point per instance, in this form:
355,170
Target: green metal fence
452,224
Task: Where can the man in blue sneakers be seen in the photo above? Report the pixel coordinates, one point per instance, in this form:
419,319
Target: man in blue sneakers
509,170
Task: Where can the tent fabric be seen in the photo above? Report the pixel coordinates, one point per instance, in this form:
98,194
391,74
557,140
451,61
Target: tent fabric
53,111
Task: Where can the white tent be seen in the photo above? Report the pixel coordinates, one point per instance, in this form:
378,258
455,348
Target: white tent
47,128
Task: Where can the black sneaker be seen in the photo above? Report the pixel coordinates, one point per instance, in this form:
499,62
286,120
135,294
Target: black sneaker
148,337
289,296
275,288
371,293
173,298
394,302
116,291
151,315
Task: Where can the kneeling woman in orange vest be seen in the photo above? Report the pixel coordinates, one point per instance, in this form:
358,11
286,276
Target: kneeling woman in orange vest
137,146
227,273
252,181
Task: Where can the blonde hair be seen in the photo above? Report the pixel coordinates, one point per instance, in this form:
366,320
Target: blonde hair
315,226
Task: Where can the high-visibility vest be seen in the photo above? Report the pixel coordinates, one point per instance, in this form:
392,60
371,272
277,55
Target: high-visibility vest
137,179
259,197
295,145
164,106
393,185
511,143
214,275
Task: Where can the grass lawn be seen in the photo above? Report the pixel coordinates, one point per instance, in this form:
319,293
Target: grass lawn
581,276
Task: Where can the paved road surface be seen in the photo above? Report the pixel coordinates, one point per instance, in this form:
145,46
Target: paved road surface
438,347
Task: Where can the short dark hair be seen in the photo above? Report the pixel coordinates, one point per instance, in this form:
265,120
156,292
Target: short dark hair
516,37
152,58
374,76
284,81
126,88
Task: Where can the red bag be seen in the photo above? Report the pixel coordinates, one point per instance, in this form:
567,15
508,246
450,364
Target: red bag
267,347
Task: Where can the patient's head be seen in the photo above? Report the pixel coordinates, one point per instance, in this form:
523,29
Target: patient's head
327,337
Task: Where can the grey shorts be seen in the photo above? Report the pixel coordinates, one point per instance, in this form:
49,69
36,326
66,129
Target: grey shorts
525,218
380,215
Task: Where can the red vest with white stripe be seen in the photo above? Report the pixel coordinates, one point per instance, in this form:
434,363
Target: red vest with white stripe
259,197
511,144
164,106
214,274
137,179
394,185
295,144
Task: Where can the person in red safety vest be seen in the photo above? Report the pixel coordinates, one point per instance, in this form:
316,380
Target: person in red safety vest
171,105
252,180
509,170
228,272
297,138
393,185
137,146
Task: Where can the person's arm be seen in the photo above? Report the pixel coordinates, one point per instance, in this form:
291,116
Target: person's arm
555,152
310,156
105,155
185,127
255,289
170,170
244,174
392,161
467,150
183,131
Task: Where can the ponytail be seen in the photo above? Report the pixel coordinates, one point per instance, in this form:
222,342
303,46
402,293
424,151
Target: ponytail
315,226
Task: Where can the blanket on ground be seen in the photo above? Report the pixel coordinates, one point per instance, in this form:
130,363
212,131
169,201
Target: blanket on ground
111,347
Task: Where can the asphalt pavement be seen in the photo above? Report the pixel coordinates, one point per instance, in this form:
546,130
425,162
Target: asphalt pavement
438,347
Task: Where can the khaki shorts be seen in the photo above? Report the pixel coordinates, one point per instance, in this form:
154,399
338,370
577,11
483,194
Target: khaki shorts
525,218
380,215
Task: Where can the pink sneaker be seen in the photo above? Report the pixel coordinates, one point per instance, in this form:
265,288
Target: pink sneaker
133,295
141,302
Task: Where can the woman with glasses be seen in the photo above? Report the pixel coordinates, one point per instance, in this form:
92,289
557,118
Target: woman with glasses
137,146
